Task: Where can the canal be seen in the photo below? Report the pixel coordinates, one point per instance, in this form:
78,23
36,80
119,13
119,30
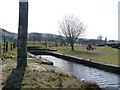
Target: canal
102,78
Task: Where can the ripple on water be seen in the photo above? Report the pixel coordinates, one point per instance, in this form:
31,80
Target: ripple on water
102,78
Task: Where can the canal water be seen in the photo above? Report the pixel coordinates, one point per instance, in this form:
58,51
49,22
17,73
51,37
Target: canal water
101,77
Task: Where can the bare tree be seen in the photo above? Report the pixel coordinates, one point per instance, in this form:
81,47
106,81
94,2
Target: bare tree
100,37
71,28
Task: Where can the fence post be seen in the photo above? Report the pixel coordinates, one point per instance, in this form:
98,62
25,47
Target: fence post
14,45
11,45
6,47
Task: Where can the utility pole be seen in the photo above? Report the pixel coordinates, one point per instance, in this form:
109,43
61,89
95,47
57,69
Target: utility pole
22,34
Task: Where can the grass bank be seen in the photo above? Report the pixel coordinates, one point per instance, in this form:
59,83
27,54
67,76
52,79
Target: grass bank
105,54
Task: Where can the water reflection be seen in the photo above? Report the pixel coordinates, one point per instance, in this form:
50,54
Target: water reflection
102,78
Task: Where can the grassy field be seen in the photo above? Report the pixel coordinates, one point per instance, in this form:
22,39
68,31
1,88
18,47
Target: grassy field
102,54
105,54
41,44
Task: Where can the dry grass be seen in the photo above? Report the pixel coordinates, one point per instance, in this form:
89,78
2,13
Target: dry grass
37,75
32,77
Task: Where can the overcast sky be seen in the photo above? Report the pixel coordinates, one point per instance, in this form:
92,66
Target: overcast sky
99,16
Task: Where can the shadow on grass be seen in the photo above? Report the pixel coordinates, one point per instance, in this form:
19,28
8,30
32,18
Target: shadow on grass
15,79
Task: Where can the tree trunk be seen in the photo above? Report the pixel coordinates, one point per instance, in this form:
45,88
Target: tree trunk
72,47
22,34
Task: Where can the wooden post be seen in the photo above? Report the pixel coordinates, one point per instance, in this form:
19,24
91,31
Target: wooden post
6,47
11,45
4,40
14,45
22,34
34,42
46,44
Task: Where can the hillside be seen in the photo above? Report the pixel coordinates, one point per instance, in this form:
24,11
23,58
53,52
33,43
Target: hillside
31,36
8,35
34,36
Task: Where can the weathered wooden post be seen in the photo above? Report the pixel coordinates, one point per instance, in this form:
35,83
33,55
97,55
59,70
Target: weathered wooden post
46,44
6,46
4,40
22,34
14,45
34,42
11,45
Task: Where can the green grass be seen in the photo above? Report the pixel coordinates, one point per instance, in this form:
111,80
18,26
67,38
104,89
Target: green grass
102,54
8,45
36,43
106,54
41,44
12,54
